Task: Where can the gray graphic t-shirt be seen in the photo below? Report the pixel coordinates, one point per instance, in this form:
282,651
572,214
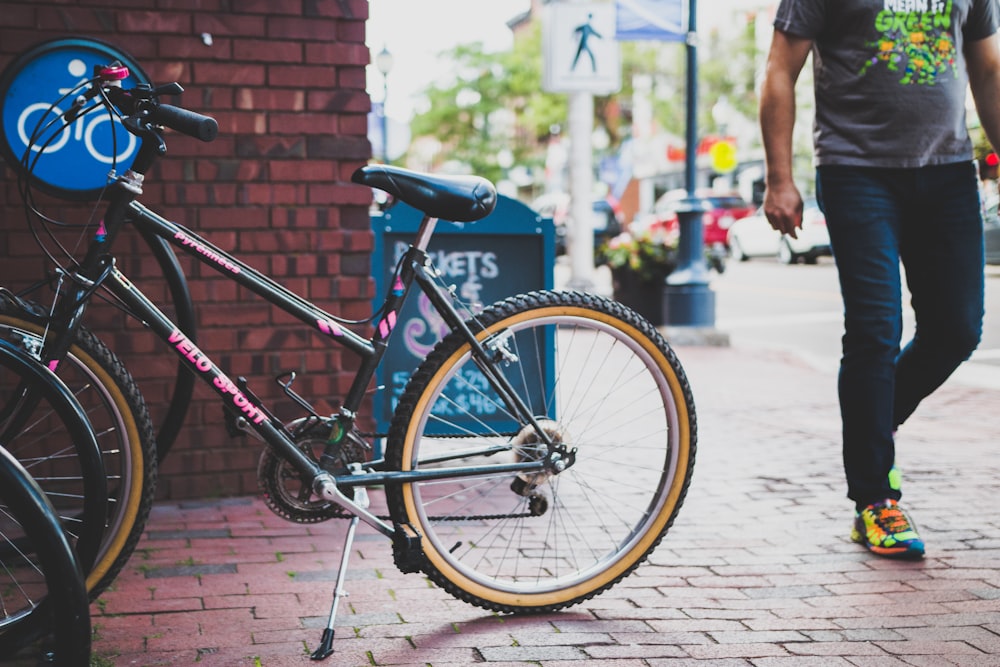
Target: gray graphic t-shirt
890,79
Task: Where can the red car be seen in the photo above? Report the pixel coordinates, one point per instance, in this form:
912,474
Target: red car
726,208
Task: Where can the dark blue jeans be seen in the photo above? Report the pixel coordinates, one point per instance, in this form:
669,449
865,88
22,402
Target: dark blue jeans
928,218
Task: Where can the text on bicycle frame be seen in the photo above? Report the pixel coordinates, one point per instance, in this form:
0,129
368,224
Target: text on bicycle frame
207,252
219,379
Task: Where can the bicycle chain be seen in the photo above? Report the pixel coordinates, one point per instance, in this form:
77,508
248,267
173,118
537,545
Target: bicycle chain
474,517
273,473
537,503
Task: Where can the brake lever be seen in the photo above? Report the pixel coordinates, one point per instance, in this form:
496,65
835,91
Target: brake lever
168,89
144,131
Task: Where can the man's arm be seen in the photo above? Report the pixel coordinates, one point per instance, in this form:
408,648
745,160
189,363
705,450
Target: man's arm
983,62
782,200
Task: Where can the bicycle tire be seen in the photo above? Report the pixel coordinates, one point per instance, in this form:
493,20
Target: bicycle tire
42,587
601,380
120,418
29,520
35,407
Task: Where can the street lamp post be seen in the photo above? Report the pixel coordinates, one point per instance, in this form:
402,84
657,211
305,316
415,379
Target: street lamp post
383,61
687,298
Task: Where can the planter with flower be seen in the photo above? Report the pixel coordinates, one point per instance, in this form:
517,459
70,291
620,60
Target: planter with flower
640,261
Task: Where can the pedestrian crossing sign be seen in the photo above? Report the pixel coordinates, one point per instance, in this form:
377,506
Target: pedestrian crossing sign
579,48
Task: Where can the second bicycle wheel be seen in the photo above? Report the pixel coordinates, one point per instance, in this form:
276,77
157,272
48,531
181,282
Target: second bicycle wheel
41,585
124,432
42,590
606,388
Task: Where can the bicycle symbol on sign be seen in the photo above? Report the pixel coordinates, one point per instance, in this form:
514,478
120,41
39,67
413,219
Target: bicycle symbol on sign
81,131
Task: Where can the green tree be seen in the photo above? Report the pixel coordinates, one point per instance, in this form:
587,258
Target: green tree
495,101
727,68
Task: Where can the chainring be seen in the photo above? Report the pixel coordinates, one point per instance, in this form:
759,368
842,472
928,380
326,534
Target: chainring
290,496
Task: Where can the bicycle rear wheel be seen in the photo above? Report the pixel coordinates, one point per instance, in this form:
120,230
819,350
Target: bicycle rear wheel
600,382
119,416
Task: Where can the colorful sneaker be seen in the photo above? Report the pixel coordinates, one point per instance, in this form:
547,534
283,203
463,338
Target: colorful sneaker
885,530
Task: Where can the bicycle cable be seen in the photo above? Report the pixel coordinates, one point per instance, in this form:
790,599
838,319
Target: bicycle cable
471,310
378,313
42,136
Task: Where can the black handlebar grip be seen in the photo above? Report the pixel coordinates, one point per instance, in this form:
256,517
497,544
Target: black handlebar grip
184,121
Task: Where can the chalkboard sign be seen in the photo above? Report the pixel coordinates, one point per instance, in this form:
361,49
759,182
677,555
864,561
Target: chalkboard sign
509,252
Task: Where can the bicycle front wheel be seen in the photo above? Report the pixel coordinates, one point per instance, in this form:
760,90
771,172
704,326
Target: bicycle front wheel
119,416
607,390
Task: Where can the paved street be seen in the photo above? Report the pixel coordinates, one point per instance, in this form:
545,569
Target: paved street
758,570
798,308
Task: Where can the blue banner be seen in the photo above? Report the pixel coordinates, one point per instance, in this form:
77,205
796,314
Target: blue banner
659,20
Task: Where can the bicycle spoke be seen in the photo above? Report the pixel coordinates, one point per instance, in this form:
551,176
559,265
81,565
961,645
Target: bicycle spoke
612,445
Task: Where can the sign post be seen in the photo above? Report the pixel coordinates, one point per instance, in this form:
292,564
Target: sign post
582,58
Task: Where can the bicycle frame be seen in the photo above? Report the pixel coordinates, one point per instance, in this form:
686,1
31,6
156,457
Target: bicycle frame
238,398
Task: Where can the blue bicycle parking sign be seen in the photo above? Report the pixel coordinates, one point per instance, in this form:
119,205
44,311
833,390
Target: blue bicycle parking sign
70,160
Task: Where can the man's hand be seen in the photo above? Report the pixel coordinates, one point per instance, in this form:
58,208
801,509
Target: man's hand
783,208
782,201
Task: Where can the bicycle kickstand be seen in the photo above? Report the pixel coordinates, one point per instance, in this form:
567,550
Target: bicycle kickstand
326,643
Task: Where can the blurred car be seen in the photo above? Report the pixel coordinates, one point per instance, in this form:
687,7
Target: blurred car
605,220
753,236
724,210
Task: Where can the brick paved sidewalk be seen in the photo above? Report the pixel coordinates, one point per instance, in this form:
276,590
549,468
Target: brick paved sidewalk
758,570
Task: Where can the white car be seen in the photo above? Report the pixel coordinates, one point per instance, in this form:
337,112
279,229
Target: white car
991,230
753,236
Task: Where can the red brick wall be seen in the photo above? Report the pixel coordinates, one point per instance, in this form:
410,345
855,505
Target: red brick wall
286,81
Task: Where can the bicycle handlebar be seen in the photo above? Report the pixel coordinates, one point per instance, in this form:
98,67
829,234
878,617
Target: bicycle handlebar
185,121
182,120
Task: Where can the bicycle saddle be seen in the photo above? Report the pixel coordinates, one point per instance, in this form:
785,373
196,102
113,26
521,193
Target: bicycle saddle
454,198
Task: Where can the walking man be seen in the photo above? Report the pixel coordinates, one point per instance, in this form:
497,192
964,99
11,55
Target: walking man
586,32
896,180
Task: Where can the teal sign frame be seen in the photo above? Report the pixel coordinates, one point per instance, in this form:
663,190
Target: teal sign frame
509,252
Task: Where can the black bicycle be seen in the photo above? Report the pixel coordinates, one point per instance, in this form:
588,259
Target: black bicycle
536,456
43,598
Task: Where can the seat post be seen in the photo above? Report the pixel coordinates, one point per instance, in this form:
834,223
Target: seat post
425,232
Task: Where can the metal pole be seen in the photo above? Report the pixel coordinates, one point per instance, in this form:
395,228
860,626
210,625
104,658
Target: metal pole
581,231
383,61
385,120
687,298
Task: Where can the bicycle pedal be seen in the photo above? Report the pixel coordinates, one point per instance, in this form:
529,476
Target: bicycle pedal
407,551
